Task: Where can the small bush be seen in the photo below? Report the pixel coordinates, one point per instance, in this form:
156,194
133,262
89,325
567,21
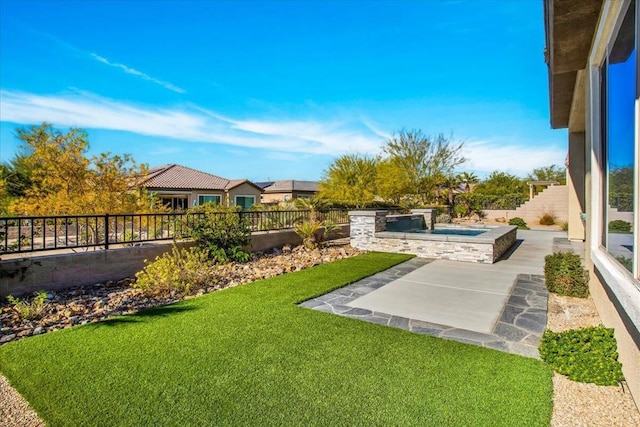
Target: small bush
29,310
519,222
443,219
619,226
564,226
587,355
309,231
220,232
547,219
179,271
314,233
564,275
461,211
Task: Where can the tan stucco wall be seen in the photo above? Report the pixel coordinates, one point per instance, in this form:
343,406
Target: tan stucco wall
285,197
628,348
610,312
575,184
274,197
243,190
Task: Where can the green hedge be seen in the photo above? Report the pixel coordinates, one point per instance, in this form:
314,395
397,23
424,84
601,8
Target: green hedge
519,222
564,275
587,355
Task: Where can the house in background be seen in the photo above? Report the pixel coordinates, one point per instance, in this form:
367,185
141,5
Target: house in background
285,191
594,86
180,187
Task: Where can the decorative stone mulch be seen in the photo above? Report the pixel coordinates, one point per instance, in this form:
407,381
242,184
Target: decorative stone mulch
517,331
87,304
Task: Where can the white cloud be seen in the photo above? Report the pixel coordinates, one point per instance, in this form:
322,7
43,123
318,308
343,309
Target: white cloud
188,123
137,73
284,138
519,159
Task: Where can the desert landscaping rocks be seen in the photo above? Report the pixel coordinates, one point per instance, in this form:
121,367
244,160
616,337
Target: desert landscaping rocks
82,305
575,404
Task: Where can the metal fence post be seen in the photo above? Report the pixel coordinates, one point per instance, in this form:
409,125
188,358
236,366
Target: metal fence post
106,231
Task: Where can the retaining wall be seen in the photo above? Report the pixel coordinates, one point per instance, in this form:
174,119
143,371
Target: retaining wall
64,270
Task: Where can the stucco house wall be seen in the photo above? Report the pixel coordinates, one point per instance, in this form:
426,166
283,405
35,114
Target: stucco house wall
580,34
245,189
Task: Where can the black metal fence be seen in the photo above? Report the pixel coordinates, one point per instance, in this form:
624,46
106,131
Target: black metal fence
43,233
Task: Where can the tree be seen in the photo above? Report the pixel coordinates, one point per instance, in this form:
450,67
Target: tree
350,180
64,180
392,183
424,162
468,179
502,183
549,173
501,190
621,188
16,174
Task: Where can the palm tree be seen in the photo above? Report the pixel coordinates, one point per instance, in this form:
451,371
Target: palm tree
467,178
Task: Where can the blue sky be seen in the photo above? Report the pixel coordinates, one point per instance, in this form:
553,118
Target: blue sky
276,90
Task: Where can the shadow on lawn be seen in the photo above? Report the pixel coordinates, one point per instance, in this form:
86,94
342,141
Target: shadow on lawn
162,311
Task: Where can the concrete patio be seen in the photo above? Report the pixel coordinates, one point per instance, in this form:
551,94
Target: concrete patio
501,306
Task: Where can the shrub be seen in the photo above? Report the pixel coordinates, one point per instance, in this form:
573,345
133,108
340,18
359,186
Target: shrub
461,211
29,310
330,228
619,226
564,275
178,271
564,225
219,232
586,355
547,219
309,231
443,219
519,222
314,233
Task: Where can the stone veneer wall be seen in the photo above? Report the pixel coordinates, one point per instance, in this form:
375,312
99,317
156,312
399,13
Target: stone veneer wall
368,233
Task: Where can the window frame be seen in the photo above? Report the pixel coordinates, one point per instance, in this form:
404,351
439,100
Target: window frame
235,199
219,202
618,277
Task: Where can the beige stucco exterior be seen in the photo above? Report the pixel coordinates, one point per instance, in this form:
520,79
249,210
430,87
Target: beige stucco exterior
244,189
227,197
286,197
575,81
575,185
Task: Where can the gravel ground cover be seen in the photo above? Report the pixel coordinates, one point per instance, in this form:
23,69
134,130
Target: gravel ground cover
584,404
88,304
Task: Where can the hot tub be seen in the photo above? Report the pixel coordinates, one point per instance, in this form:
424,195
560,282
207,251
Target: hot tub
480,244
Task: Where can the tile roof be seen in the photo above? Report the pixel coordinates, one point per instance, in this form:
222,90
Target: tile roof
291,185
236,182
181,177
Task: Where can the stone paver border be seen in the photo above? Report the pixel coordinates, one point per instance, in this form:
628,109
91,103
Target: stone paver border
518,330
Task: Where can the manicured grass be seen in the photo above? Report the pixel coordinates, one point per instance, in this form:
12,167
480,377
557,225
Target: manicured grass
249,356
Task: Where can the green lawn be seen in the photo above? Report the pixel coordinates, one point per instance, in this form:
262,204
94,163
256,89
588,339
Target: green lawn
249,356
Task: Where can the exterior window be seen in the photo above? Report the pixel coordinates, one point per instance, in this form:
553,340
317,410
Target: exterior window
202,199
245,202
175,203
619,76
